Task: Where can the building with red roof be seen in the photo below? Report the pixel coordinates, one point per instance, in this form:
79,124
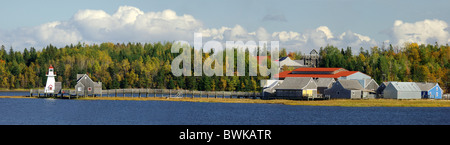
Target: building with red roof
336,73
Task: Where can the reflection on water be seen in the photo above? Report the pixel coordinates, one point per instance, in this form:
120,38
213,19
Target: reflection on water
57,111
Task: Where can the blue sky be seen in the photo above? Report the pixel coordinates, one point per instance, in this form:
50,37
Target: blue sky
299,24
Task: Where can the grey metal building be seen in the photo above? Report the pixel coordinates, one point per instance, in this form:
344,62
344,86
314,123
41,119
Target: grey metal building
402,90
324,83
370,86
345,89
297,88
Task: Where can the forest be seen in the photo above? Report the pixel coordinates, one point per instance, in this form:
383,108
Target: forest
132,65
148,65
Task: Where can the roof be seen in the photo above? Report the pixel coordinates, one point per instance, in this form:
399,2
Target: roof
366,82
405,86
79,76
294,83
337,75
351,84
317,69
50,66
270,83
300,61
314,52
425,86
289,62
324,82
283,58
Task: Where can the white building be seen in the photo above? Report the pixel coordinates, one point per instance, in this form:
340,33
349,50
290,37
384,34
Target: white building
51,87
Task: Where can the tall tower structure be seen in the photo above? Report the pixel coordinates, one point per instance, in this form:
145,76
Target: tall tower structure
50,86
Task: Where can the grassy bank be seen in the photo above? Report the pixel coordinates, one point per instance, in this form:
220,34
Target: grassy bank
340,102
14,90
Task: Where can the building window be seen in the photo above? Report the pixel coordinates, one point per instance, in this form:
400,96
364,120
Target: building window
337,92
90,89
80,89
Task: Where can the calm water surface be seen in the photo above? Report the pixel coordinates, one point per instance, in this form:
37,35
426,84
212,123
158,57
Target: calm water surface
57,111
15,93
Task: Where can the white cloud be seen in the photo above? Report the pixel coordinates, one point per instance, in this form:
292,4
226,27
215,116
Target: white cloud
130,24
322,36
284,36
262,34
356,40
422,32
325,30
127,24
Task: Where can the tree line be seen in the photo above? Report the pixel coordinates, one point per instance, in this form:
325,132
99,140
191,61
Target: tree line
148,65
132,65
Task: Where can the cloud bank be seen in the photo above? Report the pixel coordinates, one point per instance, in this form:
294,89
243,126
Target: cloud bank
130,24
422,32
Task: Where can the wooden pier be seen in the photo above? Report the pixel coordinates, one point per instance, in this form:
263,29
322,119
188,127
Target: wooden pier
172,93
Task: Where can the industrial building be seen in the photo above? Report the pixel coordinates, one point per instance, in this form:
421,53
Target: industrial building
402,90
370,87
342,83
297,88
336,73
324,83
345,89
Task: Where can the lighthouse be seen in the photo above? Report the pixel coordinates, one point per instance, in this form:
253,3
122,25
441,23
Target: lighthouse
50,86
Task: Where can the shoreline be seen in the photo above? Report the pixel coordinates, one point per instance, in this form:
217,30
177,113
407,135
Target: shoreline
333,102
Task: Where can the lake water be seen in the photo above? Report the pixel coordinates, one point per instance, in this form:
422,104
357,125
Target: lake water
60,111
16,93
